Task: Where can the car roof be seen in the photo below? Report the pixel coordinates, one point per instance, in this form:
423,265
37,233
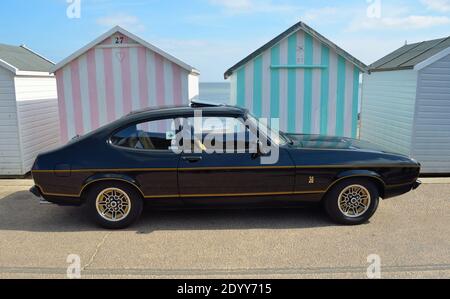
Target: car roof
170,112
180,110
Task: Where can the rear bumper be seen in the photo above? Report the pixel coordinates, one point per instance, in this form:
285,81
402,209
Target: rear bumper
36,191
59,200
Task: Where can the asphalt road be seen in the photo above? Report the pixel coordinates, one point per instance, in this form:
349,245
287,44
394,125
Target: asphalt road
411,234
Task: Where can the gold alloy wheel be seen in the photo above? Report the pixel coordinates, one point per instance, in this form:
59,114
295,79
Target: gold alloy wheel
113,204
354,201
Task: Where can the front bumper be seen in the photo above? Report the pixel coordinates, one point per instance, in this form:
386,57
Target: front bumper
400,190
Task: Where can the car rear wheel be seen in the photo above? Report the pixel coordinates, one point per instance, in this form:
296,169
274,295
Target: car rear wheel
114,205
352,201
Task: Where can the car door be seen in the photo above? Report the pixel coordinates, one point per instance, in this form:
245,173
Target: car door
239,173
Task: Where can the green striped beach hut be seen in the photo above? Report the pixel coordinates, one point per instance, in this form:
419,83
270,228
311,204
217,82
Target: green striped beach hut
303,79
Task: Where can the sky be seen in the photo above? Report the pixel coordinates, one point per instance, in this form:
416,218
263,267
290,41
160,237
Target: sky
213,35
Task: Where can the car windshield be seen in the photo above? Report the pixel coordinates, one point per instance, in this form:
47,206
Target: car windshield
275,136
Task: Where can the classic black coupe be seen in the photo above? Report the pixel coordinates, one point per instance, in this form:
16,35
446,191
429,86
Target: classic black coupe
140,157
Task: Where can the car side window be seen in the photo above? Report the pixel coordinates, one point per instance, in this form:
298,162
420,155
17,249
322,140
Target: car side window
151,135
224,134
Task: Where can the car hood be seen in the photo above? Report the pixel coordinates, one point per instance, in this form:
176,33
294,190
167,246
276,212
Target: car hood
328,142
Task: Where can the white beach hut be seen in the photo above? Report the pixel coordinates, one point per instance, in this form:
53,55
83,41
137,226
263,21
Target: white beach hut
406,103
28,109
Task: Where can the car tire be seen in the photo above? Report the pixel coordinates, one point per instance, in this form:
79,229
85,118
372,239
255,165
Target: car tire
352,201
114,205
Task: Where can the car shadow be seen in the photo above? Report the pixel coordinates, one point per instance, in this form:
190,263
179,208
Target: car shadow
20,211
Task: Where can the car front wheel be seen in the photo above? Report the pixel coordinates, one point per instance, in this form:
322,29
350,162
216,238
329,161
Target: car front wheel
114,205
352,201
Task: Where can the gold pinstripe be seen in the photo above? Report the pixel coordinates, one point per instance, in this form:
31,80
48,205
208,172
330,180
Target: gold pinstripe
184,195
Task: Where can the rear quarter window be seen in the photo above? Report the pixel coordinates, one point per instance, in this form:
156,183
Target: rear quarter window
151,135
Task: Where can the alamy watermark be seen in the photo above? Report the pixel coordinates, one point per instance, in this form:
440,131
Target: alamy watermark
374,269
374,9
73,9
74,268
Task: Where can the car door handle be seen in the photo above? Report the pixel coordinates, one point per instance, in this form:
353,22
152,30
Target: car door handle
192,159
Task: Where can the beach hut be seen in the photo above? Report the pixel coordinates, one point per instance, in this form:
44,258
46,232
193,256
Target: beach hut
117,73
28,109
406,103
303,79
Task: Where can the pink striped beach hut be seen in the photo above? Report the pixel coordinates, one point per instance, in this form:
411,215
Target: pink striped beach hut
115,74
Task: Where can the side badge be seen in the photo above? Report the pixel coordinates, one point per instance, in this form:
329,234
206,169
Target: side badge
311,180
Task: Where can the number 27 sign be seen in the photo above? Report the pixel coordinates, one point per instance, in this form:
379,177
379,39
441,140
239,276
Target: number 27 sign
119,39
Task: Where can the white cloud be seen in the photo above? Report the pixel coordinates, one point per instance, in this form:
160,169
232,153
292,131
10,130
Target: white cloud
437,5
357,18
252,6
201,52
129,22
403,23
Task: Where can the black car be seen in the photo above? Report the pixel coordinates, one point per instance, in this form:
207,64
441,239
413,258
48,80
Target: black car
226,159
